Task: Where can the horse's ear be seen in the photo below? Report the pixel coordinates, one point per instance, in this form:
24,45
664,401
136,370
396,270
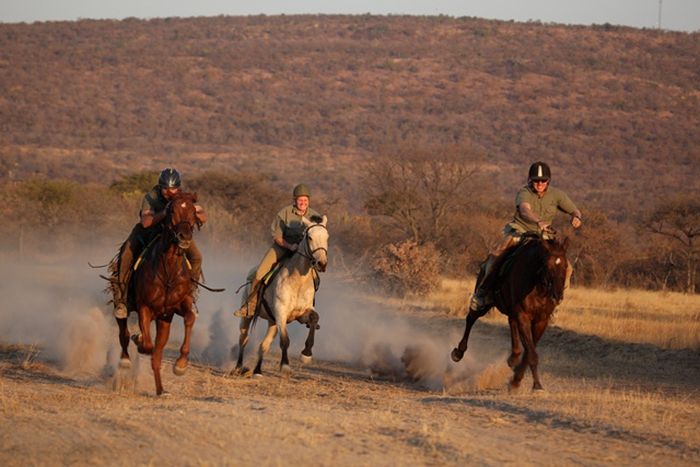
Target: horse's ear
324,222
194,197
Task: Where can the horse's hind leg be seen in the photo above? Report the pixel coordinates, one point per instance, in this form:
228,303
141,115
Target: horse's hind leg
472,316
264,347
124,361
162,334
244,335
312,324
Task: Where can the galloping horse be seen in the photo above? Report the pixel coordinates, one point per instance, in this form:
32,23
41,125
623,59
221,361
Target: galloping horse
163,288
289,297
531,287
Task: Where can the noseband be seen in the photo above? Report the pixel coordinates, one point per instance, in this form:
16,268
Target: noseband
309,253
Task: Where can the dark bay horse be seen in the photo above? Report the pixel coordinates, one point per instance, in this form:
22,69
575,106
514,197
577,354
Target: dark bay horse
162,286
530,288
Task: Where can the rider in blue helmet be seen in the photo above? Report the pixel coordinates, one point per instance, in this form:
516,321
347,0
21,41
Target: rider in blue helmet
153,211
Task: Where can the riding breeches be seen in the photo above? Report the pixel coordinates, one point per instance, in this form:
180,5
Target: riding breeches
272,257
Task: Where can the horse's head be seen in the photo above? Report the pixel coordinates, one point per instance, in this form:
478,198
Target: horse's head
182,218
555,265
316,239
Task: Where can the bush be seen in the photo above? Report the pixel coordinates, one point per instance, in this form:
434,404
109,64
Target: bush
407,268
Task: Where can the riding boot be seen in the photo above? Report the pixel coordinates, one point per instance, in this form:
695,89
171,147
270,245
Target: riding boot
251,304
483,295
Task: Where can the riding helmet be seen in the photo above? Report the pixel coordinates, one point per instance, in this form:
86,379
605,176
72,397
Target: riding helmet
301,190
169,178
539,171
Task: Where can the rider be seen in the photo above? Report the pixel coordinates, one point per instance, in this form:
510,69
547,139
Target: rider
535,207
153,211
287,231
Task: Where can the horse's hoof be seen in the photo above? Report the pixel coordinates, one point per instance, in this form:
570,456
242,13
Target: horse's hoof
257,375
164,394
124,363
179,370
456,355
306,359
137,339
513,360
286,369
537,387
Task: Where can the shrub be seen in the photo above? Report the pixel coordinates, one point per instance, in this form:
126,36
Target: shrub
407,268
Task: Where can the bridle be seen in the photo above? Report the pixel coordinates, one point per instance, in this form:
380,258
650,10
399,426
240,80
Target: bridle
308,253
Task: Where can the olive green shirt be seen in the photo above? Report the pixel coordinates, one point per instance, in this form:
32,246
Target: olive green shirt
288,224
545,208
154,201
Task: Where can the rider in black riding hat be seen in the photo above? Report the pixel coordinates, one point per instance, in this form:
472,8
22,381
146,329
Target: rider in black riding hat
536,204
153,211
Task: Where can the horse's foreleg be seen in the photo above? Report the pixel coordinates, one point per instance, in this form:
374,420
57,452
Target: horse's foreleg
188,319
143,341
515,349
306,354
162,334
264,347
529,356
124,361
284,346
538,328
472,316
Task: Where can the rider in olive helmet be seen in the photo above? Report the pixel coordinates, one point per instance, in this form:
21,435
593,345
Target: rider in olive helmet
535,206
153,211
287,231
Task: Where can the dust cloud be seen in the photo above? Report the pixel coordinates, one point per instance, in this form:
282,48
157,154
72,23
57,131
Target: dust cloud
57,309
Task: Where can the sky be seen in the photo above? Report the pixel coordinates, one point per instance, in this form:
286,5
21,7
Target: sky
677,15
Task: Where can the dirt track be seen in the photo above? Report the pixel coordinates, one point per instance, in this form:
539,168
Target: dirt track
330,414
611,403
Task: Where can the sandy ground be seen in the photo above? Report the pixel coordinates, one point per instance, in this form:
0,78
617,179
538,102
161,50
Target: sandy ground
64,401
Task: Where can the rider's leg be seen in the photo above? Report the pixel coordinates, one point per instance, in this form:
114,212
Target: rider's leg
273,255
483,293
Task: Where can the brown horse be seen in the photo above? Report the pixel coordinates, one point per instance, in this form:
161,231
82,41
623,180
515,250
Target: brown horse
162,286
530,288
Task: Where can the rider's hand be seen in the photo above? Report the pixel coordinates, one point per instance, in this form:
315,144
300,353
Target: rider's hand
576,222
543,226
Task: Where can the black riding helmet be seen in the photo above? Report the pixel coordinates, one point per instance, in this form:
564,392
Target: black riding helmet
169,178
539,171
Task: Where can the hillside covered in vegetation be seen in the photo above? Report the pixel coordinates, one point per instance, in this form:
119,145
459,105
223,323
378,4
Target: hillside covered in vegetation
279,99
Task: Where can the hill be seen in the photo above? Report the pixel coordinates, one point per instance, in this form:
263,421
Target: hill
614,110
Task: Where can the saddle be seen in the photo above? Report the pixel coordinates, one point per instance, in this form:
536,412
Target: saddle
267,280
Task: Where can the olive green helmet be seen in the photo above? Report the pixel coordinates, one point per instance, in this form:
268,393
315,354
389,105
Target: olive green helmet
301,190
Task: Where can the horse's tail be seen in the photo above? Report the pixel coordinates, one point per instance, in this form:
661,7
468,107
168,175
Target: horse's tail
113,272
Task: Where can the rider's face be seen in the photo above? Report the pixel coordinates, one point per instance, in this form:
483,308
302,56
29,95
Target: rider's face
301,203
169,193
540,186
